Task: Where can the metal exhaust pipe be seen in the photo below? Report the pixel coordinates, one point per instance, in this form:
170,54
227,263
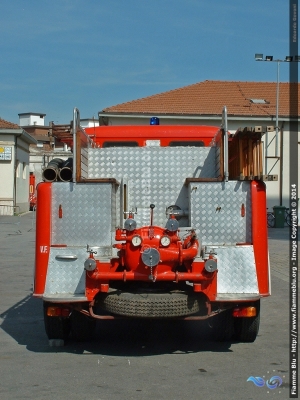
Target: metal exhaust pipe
66,171
65,174
50,173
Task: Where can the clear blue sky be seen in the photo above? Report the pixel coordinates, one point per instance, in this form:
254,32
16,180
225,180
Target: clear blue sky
92,54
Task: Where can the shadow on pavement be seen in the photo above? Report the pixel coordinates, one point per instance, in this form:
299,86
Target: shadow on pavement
122,337
279,233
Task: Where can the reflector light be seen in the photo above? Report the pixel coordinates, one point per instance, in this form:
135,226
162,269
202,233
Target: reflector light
53,312
57,312
65,312
244,312
243,210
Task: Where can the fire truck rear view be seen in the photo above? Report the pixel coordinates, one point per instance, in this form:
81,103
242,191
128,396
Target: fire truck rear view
155,222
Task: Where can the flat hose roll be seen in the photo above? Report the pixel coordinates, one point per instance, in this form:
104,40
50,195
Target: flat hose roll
66,171
50,173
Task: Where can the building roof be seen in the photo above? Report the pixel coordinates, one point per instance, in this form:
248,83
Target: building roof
32,113
18,132
9,128
257,99
9,125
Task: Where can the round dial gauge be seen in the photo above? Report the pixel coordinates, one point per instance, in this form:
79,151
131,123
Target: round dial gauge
136,240
165,241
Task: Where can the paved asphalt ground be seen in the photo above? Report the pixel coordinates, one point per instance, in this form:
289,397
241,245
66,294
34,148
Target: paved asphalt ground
127,361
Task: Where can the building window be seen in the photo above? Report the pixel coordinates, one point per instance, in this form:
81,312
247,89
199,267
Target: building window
185,143
18,169
121,144
24,170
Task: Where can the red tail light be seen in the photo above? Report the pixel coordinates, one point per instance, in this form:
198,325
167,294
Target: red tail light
58,312
244,312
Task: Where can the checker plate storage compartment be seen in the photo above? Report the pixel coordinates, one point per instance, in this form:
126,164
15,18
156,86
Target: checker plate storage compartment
87,213
221,212
82,214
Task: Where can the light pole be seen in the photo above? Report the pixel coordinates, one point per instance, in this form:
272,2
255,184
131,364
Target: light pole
260,57
296,58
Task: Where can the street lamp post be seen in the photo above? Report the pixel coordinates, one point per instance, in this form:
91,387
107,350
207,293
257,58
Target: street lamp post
259,57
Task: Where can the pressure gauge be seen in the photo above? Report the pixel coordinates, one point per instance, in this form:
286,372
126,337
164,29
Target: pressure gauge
165,241
136,240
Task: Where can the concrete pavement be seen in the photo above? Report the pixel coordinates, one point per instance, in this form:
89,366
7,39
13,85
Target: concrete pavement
128,359
279,252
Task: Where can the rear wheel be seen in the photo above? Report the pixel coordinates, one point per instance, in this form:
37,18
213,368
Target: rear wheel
56,327
223,326
82,326
246,328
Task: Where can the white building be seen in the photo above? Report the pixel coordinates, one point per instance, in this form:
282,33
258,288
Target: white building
30,118
14,168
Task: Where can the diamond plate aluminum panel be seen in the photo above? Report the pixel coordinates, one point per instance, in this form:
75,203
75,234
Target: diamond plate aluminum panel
153,175
236,270
215,212
66,276
88,213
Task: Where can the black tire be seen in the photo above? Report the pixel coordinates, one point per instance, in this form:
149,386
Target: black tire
82,326
270,220
223,326
56,327
246,328
151,305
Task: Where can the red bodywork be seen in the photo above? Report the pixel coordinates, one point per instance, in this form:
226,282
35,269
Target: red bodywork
43,236
176,253
130,265
260,235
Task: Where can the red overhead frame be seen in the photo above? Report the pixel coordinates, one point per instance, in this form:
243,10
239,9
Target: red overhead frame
165,134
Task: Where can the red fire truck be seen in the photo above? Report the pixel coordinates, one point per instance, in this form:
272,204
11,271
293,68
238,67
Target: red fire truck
32,191
155,222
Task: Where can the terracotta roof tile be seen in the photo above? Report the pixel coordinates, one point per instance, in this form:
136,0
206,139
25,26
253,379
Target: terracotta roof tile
9,125
209,97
